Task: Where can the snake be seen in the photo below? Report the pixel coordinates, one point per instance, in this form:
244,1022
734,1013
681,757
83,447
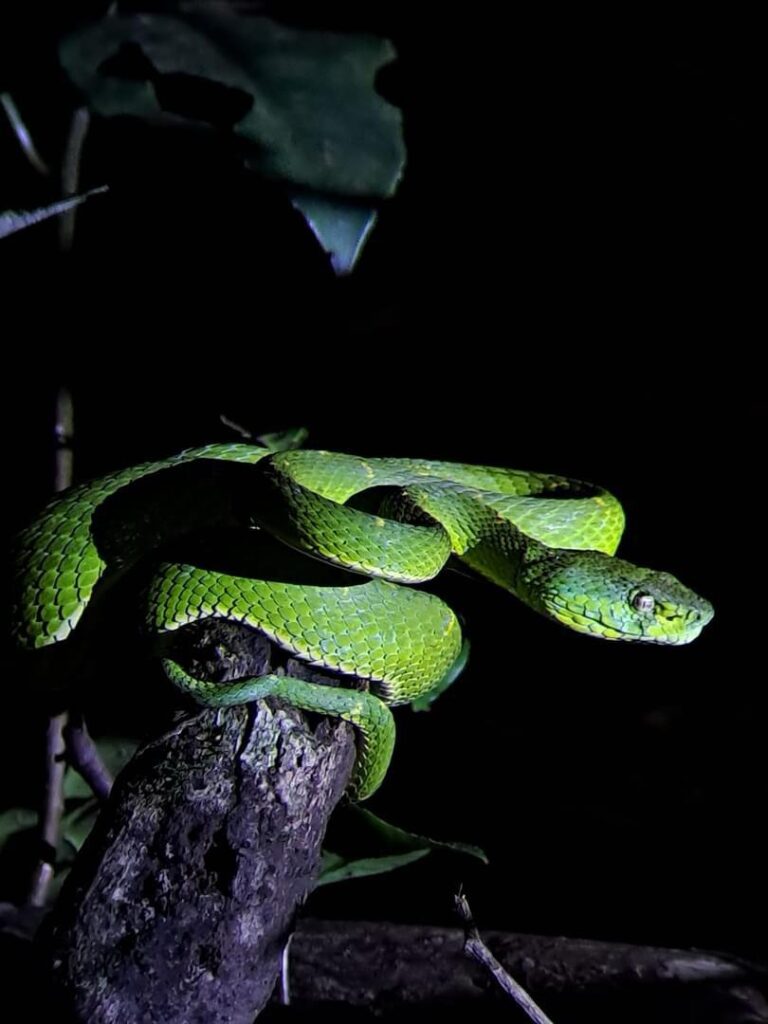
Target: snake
549,540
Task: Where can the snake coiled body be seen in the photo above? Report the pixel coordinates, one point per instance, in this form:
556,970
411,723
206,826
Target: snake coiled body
547,539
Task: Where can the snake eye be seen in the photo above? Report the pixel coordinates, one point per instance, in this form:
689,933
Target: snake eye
643,602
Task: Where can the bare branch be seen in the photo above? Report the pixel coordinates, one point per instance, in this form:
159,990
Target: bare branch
55,745
84,756
416,968
70,174
22,134
12,221
51,811
64,429
476,948
232,425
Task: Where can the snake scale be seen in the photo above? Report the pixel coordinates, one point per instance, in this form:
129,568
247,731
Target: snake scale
548,539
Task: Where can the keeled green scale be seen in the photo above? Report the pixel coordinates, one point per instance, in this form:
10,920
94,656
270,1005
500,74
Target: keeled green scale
56,562
403,641
547,539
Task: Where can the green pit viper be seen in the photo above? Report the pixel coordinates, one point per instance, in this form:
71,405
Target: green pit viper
548,539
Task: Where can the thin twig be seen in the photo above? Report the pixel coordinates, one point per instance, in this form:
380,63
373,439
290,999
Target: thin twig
242,431
17,220
52,810
84,757
63,430
70,173
55,746
22,133
285,967
476,948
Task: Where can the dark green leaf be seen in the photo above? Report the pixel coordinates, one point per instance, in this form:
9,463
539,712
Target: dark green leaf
391,837
304,103
336,869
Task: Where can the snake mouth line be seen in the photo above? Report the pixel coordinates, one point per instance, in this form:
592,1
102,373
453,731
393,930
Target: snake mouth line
591,625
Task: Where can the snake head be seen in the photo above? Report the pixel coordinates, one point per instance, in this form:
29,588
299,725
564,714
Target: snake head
607,597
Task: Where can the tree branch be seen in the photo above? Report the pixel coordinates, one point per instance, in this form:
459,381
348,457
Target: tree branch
51,810
52,806
83,755
182,899
396,967
476,948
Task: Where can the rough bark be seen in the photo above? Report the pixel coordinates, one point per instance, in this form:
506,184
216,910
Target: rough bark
182,899
391,969
342,970
354,962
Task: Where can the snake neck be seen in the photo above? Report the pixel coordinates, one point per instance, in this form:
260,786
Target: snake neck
528,568
512,560
537,566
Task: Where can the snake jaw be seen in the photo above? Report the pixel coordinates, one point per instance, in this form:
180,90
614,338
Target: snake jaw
598,595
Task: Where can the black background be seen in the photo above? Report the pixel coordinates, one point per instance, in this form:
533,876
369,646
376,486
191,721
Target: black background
563,284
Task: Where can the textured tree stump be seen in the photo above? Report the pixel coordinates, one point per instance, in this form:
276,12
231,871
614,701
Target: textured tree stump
182,900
